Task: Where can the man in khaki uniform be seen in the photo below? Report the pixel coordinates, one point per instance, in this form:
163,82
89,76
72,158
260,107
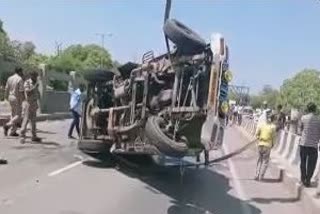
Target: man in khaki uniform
14,93
32,96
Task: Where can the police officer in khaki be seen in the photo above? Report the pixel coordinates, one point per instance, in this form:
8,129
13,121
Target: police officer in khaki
14,93
32,95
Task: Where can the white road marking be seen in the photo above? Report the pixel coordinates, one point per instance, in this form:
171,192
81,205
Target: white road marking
237,185
79,157
290,175
70,166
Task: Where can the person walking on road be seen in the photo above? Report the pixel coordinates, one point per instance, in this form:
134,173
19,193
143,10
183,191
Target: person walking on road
310,129
263,117
235,115
266,136
14,93
240,111
32,95
281,118
75,108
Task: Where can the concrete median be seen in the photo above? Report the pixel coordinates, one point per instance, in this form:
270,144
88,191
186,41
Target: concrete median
286,155
288,150
294,158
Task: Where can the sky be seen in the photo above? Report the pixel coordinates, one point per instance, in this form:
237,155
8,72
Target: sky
269,40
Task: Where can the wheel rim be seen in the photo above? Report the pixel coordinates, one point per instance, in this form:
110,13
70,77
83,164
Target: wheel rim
89,118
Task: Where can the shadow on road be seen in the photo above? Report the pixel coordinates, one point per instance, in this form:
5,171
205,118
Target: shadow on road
198,191
28,144
45,132
48,143
99,164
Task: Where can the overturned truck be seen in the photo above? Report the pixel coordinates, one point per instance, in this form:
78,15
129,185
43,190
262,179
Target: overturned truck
174,104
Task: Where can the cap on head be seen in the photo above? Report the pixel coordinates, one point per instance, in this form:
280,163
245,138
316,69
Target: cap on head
34,74
311,107
271,117
82,87
18,70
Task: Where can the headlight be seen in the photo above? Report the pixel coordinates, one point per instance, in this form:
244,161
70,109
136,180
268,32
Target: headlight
228,76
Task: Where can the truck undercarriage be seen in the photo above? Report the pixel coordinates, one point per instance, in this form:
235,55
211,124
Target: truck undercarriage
173,104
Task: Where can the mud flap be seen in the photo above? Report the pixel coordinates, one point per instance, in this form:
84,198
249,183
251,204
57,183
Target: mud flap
212,132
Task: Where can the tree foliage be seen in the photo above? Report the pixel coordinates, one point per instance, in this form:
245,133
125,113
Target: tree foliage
295,92
301,89
73,58
80,58
268,94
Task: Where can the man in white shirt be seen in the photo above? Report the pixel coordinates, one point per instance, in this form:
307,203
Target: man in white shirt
75,108
263,116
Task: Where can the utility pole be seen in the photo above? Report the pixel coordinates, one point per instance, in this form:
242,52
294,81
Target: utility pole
58,46
102,36
241,92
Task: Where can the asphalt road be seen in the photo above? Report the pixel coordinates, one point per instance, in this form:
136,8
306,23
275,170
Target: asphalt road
55,178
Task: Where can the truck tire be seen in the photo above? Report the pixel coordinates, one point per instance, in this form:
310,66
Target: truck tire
98,76
187,41
163,142
91,146
88,118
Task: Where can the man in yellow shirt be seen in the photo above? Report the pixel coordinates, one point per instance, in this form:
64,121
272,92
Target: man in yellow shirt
266,133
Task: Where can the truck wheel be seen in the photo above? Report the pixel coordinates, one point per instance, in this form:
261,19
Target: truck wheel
91,146
88,118
98,76
156,135
187,41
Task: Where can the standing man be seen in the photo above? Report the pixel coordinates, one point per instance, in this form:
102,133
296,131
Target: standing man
240,108
31,95
281,118
76,108
264,113
266,133
235,114
310,129
14,93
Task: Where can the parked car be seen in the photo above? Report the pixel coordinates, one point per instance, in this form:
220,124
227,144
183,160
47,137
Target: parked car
247,112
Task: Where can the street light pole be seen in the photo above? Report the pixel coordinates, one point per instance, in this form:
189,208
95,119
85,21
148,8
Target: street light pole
102,35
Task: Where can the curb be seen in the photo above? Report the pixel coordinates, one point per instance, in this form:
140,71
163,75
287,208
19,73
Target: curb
308,201
40,118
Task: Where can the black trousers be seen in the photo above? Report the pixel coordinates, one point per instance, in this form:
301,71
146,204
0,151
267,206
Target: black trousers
75,123
309,157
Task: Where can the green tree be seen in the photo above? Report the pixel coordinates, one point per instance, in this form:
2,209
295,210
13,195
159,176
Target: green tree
36,59
301,89
23,51
80,58
1,27
268,94
6,50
